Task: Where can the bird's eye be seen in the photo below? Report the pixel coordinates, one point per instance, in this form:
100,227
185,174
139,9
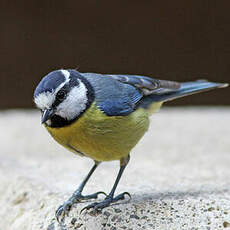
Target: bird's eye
61,95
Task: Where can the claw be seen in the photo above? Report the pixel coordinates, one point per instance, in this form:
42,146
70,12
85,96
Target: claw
98,206
89,206
93,196
101,192
64,209
122,196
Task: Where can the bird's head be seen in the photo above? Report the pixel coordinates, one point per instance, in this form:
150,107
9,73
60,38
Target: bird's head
62,96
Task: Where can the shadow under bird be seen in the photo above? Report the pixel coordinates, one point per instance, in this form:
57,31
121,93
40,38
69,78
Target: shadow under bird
103,116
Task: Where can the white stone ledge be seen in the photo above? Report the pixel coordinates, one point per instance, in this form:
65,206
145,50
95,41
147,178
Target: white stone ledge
178,176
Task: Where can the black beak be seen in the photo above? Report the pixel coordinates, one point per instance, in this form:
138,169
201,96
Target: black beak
46,115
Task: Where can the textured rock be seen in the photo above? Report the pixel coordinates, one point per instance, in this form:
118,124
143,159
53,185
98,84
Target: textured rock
178,176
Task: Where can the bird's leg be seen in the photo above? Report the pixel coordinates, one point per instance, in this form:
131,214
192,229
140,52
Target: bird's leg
77,195
97,206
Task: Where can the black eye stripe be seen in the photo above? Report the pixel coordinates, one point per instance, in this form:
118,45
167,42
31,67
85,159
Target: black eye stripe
61,94
65,89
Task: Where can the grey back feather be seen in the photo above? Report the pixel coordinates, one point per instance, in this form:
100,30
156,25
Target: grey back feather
147,85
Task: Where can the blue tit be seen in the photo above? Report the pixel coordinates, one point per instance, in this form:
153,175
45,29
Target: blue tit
103,116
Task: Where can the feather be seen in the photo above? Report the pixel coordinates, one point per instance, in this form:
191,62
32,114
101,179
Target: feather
146,84
119,95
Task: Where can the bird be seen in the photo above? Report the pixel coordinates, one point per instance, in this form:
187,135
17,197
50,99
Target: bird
102,117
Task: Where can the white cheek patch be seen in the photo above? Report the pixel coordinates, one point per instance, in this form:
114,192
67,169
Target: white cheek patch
44,100
75,102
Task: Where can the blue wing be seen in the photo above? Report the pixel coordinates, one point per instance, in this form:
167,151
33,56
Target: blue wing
119,95
113,97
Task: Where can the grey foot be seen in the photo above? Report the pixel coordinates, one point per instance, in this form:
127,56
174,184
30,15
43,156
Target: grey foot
75,198
98,206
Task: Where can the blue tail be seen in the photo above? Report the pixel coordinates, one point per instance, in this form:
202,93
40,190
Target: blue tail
186,88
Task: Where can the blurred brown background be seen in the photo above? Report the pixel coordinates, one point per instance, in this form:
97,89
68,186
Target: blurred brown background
177,40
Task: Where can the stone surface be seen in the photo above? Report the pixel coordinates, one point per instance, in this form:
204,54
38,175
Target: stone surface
178,175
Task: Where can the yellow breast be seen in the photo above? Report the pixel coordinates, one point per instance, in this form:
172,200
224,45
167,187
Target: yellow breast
101,137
